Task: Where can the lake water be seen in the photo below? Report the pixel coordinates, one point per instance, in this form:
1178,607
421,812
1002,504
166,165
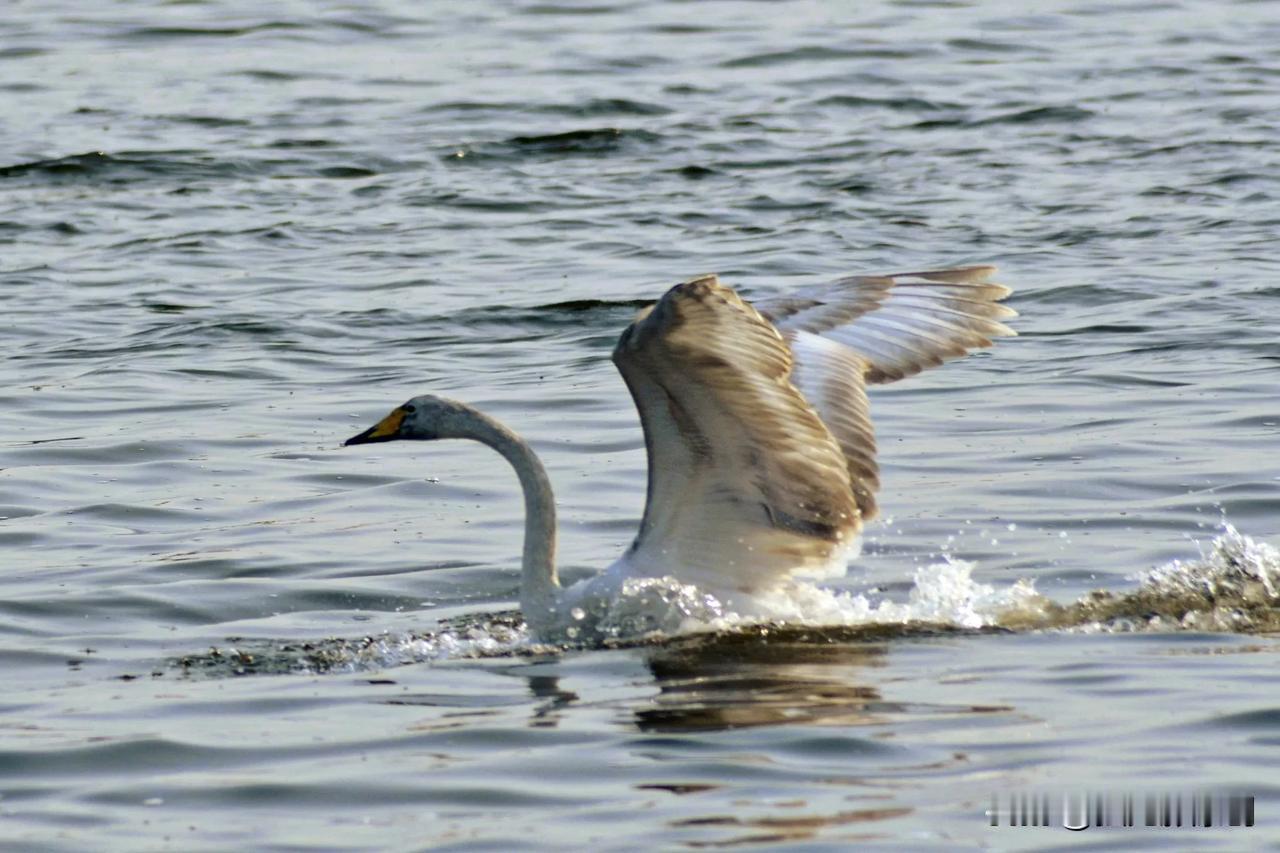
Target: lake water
233,235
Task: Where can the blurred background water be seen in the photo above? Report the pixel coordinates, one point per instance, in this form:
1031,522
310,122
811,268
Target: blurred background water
232,235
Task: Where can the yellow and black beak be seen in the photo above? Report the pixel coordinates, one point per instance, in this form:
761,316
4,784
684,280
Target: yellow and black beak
387,429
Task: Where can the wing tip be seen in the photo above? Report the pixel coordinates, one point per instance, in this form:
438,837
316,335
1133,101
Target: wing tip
973,274
977,275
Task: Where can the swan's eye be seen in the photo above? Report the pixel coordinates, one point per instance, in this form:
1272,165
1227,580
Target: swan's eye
409,408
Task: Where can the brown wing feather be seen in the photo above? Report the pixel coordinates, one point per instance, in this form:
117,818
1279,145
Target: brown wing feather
831,378
746,483
762,454
903,323
879,328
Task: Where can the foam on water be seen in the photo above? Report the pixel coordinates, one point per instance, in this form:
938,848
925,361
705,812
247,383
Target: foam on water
499,635
942,593
1233,586
1235,565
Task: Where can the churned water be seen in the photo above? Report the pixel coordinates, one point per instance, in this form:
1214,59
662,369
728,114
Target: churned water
234,234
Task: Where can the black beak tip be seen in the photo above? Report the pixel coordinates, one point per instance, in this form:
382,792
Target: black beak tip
362,438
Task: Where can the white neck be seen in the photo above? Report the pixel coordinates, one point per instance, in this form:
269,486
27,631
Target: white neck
539,583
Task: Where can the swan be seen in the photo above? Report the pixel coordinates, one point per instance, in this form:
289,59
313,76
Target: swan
761,452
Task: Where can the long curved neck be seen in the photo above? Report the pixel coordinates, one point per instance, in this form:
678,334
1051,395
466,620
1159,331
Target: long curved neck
539,582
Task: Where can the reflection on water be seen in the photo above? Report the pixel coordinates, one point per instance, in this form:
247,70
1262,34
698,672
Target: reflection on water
772,830
552,700
735,681
774,676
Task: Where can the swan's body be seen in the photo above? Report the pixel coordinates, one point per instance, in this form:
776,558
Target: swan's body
761,450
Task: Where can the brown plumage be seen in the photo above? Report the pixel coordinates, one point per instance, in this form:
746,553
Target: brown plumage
756,420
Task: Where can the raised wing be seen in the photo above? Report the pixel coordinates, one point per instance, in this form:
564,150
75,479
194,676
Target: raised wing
830,376
903,323
874,329
746,483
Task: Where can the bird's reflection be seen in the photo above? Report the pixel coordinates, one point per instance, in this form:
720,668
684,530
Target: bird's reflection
546,714
764,678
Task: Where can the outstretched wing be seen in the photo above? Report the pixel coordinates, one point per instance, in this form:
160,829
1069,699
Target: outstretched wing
903,323
746,483
874,329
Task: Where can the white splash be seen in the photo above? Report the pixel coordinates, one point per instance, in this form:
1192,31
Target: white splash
1234,566
491,640
1224,590
943,593
648,609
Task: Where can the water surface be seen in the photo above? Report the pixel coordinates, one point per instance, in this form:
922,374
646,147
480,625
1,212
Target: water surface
233,235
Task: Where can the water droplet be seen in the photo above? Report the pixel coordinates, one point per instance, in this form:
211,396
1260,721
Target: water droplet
578,613
571,632
1011,526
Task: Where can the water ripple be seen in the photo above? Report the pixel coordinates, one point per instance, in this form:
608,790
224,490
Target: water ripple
232,236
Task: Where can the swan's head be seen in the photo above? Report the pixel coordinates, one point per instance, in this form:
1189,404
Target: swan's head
424,418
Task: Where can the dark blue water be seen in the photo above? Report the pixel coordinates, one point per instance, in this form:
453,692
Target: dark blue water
233,235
